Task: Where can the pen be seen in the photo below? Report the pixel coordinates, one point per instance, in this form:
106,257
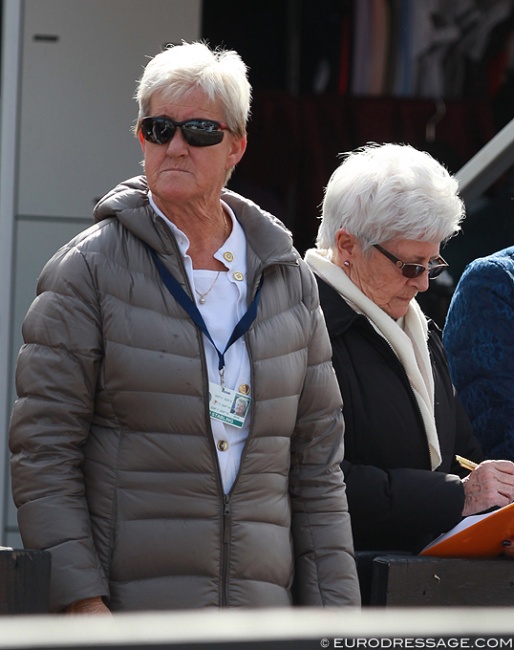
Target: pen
464,462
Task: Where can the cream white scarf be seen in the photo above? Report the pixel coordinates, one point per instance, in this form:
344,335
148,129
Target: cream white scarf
409,343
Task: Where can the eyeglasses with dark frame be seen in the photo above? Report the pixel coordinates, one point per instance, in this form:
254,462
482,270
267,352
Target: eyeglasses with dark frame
196,132
435,267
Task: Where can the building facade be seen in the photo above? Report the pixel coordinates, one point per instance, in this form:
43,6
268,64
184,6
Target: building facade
69,69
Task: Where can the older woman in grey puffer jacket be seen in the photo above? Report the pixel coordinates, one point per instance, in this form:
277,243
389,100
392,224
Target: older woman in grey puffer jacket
130,460
114,465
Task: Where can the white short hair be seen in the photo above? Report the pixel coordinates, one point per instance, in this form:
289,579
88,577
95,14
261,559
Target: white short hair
390,191
221,74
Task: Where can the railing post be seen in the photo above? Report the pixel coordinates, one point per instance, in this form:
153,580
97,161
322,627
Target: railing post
24,581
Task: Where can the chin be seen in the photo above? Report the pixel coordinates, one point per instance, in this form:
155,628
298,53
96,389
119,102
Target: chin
398,312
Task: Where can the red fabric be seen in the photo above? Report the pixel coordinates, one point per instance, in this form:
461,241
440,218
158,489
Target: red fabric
294,143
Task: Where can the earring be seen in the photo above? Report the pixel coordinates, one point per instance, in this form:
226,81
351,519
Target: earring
346,263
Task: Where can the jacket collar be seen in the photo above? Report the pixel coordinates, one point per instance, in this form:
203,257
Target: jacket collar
339,316
268,239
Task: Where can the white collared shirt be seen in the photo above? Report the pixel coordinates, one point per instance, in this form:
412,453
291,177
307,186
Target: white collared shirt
225,304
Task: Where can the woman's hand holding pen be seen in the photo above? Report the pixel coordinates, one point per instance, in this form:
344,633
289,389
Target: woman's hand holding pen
502,466
489,484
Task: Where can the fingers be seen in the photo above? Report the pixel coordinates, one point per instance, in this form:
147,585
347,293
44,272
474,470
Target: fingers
88,606
502,466
488,486
499,475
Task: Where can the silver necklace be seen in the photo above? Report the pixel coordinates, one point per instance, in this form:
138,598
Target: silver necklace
204,295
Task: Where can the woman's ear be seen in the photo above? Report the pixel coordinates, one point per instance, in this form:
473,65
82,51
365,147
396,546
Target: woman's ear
237,149
345,245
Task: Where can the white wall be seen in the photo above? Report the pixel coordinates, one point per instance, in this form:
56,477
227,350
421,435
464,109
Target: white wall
68,77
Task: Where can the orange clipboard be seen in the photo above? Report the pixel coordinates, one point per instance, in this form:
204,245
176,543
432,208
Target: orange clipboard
475,536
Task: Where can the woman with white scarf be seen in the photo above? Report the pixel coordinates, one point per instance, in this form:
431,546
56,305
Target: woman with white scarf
386,212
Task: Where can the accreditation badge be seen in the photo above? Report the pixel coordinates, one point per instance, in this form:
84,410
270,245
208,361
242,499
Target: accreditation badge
228,406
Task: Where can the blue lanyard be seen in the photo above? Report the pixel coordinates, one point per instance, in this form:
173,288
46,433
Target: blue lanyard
192,310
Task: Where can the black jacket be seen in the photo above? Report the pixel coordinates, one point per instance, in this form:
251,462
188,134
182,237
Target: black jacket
396,502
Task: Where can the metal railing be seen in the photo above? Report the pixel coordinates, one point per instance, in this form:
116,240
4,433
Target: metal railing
496,157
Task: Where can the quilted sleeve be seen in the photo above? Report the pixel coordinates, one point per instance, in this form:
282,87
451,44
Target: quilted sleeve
55,381
325,568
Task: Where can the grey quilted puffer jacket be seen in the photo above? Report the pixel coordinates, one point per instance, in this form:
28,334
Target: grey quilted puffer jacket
114,467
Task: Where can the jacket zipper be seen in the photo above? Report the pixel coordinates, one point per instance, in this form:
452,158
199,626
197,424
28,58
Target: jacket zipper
226,550
225,524
227,512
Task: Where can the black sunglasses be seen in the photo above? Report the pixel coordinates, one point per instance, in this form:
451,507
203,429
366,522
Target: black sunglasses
197,132
434,269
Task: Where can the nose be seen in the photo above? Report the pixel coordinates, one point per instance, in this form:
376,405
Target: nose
177,145
421,283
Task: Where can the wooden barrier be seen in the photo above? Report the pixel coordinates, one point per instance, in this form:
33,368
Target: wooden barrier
386,580
394,580
24,581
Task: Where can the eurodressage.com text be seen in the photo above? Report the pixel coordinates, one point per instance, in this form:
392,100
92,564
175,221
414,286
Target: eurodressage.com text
478,643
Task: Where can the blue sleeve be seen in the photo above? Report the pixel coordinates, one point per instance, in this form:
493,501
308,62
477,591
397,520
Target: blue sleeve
479,341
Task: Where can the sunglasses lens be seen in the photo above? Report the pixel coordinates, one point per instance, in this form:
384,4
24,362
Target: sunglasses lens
197,133
412,270
436,271
202,133
157,130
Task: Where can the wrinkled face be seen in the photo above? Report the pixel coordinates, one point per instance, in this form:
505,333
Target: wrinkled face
178,173
382,281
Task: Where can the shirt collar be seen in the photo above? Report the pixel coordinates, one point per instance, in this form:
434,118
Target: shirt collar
232,253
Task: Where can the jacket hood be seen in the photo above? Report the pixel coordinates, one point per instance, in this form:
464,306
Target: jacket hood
131,195
128,202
